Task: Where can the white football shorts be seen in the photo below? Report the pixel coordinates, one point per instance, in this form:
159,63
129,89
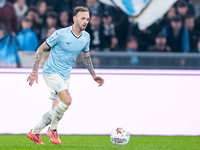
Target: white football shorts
55,84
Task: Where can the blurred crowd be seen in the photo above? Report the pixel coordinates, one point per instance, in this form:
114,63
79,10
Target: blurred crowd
30,22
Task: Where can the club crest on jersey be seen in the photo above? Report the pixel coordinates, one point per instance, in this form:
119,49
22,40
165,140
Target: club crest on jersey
83,43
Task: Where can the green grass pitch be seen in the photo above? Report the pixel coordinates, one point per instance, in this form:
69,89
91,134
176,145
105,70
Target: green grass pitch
101,142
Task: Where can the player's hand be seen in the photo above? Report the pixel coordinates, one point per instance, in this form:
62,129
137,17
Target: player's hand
98,80
32,77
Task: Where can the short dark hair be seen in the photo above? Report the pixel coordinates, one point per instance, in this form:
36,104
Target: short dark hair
182,3
189,17
52,14
28,19
80,9
131,38
160,35
96,15
176,18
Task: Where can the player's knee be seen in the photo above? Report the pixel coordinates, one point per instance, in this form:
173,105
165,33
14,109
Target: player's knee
69,102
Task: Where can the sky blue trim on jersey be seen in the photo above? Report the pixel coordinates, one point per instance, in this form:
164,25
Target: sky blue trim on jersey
129,6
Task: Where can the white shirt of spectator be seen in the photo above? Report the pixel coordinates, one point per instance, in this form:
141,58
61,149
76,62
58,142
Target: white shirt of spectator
20,12
96,40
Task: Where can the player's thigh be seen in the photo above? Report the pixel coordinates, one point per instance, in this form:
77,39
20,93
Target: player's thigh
56,84
65,97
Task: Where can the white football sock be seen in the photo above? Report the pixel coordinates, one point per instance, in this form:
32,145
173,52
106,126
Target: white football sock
58,114
46,120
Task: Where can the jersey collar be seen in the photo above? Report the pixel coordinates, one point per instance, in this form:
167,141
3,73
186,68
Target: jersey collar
74,33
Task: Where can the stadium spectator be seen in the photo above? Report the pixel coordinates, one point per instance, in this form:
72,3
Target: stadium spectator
8,50
197,23
193,34
114,44
197,47
158,25
63,19
42,10
1,34
170,13
196,6
132,44
166,20
184,9
51,22
95,29
94,7
131,47
52,5
177,35
32,13
110,41
27,39
121,25
145,37
3,28
8,16
20,10
160,44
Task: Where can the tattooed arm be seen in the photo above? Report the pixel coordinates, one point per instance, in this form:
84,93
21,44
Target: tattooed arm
88,63
34,74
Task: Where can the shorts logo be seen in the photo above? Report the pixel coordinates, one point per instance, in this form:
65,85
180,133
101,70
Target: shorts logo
58,85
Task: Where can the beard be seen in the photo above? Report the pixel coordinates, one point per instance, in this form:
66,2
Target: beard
82,27
161,44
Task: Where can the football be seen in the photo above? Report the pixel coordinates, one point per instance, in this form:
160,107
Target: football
120,136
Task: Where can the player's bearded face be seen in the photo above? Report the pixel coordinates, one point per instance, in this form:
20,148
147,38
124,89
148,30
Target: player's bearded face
82,20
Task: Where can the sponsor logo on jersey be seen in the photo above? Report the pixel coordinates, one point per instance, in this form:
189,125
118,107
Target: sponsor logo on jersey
68,43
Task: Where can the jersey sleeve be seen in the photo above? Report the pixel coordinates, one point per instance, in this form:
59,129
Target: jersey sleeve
53,39
87,46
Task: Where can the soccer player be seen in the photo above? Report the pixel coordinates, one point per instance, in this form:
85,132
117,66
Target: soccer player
65,46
